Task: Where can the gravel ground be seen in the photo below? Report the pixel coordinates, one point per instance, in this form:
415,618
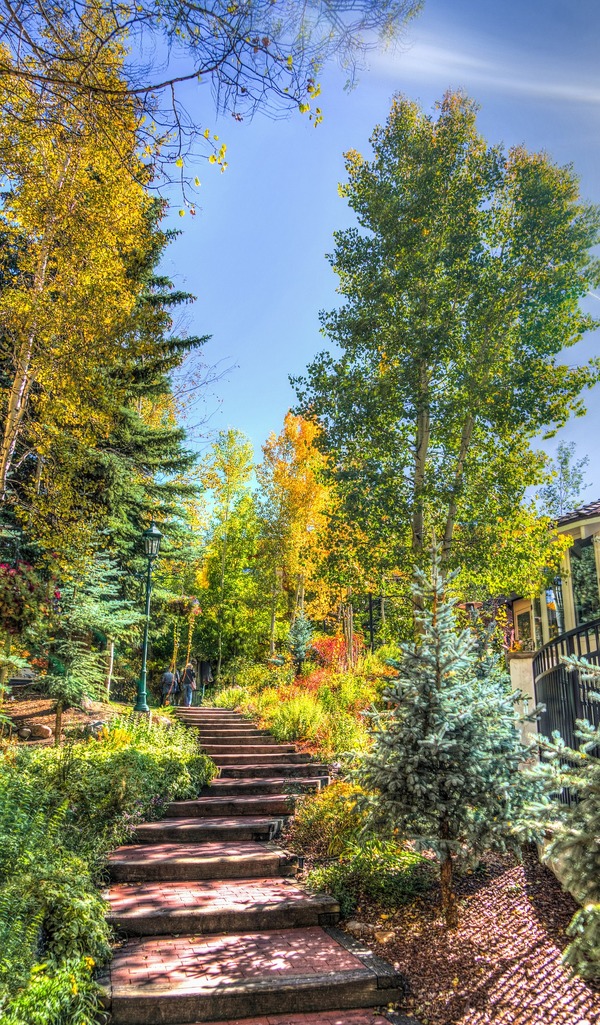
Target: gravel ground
502,966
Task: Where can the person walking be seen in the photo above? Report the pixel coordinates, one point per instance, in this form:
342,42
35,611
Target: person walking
169,687
188,684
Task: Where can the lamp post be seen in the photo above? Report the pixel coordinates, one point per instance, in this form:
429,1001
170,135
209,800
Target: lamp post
152,538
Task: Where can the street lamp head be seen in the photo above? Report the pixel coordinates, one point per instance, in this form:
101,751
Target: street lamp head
152,538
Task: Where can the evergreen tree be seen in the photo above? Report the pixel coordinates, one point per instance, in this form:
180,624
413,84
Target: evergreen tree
91,617
444,766
299,639
573,830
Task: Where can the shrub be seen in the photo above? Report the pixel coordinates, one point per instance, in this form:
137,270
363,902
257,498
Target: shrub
373,868
230,697
298,719
61,812
57,995
325,821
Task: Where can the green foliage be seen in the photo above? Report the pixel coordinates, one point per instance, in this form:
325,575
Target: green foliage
373,868
57,995
444,766
571,831
230,697
563,491
323,707
61,812
298,718
325,822
461,287
79,672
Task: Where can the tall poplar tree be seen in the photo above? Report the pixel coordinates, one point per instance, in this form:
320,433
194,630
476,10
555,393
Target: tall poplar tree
461,287
231,541
75,222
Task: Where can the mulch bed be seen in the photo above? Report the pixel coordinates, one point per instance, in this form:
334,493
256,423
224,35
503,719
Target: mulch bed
29,707
503,965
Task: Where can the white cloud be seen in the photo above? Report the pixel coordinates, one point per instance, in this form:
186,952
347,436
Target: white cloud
433,61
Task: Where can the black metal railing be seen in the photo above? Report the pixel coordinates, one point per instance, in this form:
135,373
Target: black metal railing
565,695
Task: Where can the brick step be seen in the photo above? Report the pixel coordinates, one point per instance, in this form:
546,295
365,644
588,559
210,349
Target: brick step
178,861
252,787
219,721
206,807
192,979
279,769
268,759
194,830
211,714
230,733
247,749
362,1016
234,739
217,906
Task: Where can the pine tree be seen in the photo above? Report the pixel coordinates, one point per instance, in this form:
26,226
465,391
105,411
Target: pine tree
299,639
572,830
444,766
92,615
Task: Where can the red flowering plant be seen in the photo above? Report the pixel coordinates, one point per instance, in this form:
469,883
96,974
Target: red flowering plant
332,651
22,597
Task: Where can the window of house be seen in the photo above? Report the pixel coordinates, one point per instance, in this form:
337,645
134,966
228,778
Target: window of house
586,596
552,611
524,633
538,635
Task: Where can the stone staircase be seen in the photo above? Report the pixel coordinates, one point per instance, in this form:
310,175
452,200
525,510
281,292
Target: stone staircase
218,930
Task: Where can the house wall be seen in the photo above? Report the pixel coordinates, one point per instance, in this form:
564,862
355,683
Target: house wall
521,674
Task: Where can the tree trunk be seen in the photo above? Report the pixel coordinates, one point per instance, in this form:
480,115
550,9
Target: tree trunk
272,624
5,668
111,662
421,451
449,905
465,442
17,404
58,723
23,379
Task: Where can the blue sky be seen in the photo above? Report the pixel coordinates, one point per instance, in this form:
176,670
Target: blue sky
255,253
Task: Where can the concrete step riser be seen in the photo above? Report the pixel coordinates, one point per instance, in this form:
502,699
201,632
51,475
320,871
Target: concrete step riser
208,834
229,717
238,788
234,733
322,994
285,771
260,866
191,924
278,804
268,759
236,744
247,749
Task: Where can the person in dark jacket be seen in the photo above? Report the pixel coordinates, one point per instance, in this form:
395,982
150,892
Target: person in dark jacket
188,684
169,687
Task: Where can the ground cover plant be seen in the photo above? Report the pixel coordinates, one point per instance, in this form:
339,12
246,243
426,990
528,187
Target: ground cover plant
62,810
324,706
349,860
